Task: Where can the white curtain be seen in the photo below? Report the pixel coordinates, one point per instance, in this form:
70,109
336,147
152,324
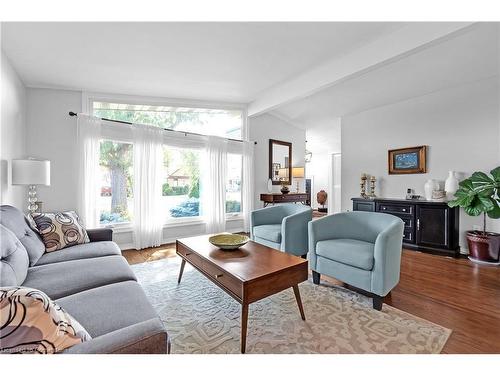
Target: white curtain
214,185
88,138
148,161
247,183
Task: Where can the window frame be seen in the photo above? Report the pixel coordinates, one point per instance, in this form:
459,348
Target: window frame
88,99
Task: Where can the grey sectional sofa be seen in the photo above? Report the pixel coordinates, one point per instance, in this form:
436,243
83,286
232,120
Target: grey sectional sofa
93,282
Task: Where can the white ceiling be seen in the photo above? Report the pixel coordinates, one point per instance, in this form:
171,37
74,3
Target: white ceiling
205,61
467,57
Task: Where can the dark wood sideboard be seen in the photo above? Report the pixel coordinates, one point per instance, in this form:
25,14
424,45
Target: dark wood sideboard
429,226
273,198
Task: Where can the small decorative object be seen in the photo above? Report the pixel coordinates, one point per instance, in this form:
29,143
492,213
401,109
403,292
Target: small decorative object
308,156
409,193
362,185
429,187
438,195
226,241
284,189
407,160
321,198
372,187
451,185
269,186
480,194
31,172
298,172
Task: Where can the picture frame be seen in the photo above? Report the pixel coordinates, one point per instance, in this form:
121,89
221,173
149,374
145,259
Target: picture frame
408,160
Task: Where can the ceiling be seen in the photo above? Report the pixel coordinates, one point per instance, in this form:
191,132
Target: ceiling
467,57
231,62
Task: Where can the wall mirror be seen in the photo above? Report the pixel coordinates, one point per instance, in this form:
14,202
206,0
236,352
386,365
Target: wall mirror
280,162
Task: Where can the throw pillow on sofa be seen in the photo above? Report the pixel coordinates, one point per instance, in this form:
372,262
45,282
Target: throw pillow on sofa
60,229
32,323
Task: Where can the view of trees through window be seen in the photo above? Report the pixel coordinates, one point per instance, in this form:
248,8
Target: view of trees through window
181,167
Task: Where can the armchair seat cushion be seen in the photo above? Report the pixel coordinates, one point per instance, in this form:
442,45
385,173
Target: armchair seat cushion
269,232
354,253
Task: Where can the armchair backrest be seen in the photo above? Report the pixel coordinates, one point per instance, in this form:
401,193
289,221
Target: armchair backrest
356,225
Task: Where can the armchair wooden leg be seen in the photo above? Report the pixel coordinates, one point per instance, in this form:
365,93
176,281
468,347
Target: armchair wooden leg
377,302
316,277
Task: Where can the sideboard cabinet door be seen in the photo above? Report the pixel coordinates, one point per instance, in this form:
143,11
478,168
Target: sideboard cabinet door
432,226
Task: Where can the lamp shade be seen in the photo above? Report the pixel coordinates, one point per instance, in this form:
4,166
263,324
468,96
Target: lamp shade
30,172
298,172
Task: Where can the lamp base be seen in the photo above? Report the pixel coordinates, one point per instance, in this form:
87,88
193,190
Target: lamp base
32,199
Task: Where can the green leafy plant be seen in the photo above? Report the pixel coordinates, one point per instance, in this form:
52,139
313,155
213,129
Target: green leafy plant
479,194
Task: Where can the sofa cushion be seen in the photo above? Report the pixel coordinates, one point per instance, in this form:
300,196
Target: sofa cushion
60,229
65,278
110,307
354,253
14,260
270,232
36,324
13,219
84,251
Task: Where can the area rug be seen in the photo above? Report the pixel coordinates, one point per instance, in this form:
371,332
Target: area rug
201,318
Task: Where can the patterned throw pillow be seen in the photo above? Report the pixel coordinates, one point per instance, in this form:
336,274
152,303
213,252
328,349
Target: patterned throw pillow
60,229
30,322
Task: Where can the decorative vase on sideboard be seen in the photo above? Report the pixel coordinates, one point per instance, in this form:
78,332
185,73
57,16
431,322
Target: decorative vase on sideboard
451,185
269,186
429,187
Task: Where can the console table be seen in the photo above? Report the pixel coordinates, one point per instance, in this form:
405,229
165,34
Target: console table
430,226
272,198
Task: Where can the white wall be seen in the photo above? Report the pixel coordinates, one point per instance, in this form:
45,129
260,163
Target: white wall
460,125
12,133
323,140
263,128
52,135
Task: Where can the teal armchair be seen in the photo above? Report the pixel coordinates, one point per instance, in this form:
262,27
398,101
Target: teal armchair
283,227
362,249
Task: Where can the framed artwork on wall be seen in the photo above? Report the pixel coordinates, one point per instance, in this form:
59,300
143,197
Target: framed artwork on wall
408,160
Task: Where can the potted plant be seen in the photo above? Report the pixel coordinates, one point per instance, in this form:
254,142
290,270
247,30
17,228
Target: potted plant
479,194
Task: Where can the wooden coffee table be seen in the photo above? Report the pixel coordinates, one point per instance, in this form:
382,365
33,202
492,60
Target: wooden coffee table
248,274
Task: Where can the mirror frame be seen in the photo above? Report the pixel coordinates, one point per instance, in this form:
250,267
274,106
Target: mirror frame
282,143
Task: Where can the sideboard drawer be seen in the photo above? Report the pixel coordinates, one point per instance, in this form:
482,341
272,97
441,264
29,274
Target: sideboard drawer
408,235
391,208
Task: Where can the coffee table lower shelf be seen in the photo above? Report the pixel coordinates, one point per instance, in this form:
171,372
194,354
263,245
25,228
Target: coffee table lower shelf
246,291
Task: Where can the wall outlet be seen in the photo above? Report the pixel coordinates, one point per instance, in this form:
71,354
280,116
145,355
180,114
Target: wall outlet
477,227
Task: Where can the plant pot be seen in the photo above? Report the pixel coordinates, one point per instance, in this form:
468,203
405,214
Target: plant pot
484,247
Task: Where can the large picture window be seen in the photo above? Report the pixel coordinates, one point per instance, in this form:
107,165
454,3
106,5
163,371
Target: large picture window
218,122
116,201
233,184
181,183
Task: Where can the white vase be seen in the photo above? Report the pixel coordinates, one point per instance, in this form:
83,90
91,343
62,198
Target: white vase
429,186
451,185
269,186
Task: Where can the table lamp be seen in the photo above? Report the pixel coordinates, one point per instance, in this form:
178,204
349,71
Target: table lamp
31,172
298,172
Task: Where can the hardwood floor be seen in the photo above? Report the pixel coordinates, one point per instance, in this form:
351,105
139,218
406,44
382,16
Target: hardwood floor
454,293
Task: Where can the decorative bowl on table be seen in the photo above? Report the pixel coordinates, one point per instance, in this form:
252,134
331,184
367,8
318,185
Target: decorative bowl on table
227,241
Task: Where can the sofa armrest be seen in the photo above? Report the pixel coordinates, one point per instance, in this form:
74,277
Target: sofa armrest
294,233
148,337
100,234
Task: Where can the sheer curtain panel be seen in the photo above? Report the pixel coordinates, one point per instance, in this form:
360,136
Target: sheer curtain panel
88,139
148,159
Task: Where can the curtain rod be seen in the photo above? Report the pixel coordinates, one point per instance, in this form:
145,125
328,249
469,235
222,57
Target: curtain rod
74,114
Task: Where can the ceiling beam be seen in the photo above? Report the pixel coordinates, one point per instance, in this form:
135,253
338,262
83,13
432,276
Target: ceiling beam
404,41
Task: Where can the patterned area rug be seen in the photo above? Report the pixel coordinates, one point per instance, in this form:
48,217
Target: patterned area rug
201,318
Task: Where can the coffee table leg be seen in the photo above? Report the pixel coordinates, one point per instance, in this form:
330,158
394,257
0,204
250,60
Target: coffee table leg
244,323
299,301
181,271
